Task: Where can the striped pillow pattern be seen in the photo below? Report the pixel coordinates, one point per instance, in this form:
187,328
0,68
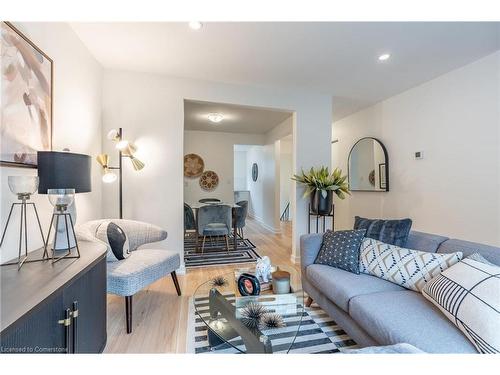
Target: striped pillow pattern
411,269
469,296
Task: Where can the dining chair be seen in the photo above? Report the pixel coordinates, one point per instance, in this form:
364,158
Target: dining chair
209,200
239,217
214,220
189,222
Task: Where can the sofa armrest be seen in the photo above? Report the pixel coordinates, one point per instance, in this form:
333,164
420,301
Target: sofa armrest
309,249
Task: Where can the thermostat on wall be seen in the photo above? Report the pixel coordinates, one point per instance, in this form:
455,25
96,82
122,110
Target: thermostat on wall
419,155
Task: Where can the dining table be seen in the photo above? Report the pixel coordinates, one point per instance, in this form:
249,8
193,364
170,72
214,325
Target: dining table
196,205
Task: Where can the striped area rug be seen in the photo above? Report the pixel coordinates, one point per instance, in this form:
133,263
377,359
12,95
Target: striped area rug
318,333
215,253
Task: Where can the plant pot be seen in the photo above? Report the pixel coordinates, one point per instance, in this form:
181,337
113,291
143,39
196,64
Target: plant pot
321,205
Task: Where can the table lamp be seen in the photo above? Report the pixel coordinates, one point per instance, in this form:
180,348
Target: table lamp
61,175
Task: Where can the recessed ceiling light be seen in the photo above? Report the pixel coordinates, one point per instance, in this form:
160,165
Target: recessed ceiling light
384,57
215,117
195,25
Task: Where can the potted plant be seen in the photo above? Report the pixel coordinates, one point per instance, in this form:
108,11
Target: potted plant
320,185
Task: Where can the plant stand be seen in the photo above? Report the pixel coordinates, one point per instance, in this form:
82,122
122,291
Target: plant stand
318,218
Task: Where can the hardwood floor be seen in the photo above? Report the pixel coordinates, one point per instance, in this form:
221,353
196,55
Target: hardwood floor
160,316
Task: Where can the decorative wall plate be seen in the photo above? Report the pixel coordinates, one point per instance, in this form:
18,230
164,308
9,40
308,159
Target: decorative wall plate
209,180
255,172
193,165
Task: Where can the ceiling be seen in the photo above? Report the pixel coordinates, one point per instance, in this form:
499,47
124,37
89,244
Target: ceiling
237,118
335,58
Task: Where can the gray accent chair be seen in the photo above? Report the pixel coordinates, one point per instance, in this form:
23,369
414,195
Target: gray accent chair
376,312
214,221
142,268
189,222
239,217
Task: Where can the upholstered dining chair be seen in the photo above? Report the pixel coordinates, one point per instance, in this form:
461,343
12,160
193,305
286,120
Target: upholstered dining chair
143,267
189,222
239,218
214,220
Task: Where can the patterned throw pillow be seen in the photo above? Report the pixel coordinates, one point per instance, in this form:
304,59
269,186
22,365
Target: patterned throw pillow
479,258
469,295
341,249
394,232
116,239
411,269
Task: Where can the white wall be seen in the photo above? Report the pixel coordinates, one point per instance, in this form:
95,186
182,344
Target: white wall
150,109
240,170
286,160
454,119
217,152
76,125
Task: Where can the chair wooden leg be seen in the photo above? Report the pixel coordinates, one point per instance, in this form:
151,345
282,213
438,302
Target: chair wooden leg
309,301
197,242
203,244
128,313
176,282
227,242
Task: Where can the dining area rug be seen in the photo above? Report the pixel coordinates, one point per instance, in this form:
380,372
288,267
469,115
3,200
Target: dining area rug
215,253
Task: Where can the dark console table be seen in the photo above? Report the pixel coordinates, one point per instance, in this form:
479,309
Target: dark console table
55,308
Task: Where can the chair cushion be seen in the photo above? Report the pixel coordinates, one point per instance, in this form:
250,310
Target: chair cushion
394,232
341,249
406,316
340,286
142,268
215,229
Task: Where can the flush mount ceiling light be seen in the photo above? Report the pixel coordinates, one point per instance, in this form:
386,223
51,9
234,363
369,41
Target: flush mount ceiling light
384,57
195,25
215,117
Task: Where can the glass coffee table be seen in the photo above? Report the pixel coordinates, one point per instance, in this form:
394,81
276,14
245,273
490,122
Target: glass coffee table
225,313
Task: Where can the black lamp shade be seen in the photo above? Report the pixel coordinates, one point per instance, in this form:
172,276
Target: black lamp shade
63,170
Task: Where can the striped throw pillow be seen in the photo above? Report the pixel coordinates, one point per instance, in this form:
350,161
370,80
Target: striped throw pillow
468,294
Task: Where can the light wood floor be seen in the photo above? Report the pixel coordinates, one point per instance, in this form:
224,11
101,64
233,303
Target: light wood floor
160,316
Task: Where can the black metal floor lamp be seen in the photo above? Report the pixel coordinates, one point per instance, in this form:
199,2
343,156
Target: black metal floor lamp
125,149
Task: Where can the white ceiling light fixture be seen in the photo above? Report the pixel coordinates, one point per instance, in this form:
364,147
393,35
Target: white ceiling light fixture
215,117
384,57
195,25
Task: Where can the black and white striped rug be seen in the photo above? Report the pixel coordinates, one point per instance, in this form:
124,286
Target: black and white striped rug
215,253
318,334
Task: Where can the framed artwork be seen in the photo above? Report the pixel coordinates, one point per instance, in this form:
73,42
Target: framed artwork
382,176
26,97
255,172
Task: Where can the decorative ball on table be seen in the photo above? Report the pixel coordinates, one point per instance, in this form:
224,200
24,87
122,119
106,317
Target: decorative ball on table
272,321
252,314
219,281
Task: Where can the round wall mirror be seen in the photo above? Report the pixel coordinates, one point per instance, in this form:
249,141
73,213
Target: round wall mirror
255,172
368,166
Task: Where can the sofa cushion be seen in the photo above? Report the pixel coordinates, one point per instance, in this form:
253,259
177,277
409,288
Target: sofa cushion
341,249
424,241
408,268
394,232
406,316
468,294
490,253
340,286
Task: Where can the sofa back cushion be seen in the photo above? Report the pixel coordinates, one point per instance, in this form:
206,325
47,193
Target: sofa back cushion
490,253
394,232
424,241
411,269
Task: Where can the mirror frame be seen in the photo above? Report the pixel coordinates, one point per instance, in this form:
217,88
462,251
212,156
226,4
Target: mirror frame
386,155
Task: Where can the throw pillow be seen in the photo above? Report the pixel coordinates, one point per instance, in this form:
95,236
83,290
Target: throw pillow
479,258
411,269
341,249
116,239
469,295
394,232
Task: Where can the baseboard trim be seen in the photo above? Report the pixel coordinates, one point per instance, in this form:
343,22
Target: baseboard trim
267,227
295,259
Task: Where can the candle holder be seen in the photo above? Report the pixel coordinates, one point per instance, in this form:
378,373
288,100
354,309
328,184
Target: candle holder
61,199
24,187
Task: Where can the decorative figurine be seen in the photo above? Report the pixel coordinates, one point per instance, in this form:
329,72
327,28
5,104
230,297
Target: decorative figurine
263,269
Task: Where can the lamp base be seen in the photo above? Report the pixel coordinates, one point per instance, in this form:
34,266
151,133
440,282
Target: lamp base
64,219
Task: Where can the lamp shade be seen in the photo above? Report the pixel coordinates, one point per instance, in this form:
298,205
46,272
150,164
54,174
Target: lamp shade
64,170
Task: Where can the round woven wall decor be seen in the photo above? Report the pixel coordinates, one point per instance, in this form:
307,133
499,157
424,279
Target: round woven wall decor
209,180
193,165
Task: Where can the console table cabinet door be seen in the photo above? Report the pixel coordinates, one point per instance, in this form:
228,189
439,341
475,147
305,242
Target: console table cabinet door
88,329
38,331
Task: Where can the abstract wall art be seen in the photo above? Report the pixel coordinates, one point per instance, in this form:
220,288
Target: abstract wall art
26,99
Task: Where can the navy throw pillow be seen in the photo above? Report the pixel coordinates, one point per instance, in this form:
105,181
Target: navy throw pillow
118,244
393,232
341,249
